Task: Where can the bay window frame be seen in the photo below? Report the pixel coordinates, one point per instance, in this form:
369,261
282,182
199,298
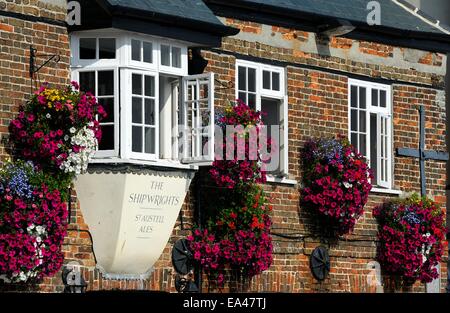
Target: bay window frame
124,66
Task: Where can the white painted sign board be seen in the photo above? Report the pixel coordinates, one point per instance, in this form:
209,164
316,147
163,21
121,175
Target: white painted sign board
131,218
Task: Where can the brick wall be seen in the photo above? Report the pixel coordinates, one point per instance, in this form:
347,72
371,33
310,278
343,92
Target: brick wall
317,89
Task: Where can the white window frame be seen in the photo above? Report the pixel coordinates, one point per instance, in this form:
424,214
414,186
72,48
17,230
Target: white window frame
76,77
280,95
381,113
197,157
170,70
141,64
126,116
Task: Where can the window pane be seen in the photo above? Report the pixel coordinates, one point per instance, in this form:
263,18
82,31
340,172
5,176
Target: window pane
276,81
136,50
354,96
362,121
149,86
354,120
354,140
107,142
362,144
87,82
107,48
165,55
252,79
383,99
176,57
373,146
252,101
88,48
150,144
106,83
108,105
136,110
271,118
266,79
242,78
375,97
137,139
148,52
362,98
149,112
243,97
137,84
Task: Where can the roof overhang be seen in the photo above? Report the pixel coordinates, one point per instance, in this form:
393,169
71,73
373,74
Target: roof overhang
100,14
281,16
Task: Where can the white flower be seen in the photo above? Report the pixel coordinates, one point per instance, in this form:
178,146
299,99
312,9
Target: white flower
73,130
48,116
78,162
348,185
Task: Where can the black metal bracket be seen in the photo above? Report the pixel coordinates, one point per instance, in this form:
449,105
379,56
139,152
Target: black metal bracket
33,56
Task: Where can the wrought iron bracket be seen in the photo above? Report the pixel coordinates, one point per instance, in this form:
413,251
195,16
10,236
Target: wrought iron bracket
33,56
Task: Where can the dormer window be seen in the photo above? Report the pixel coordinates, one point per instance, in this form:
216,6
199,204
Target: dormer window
153,105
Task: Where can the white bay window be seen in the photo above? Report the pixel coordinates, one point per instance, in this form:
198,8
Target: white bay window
156,112
370,115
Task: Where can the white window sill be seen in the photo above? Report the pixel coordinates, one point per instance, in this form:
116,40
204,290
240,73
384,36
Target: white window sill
281,180
386,191
158,163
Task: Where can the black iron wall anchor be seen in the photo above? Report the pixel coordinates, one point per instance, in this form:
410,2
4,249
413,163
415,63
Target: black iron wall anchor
423,154
33,56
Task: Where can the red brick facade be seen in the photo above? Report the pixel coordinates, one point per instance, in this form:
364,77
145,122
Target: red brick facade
317,84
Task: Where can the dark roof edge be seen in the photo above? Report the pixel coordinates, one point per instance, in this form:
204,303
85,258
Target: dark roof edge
424,15
212,28
380,30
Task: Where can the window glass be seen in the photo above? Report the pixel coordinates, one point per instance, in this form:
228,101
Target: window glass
165,55
87,82
108,105
266,79
252,80
107,48
88,48
107,142
242,78
137,139
137,84
276,81
136,50
148,52
176,57
105,83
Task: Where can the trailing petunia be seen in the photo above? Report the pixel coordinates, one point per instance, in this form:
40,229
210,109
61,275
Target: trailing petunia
336,182
33,223
411,238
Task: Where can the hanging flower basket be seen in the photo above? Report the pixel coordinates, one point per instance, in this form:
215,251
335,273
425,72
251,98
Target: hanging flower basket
237,235
55,134
58,129
336,183
411,238
33,223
